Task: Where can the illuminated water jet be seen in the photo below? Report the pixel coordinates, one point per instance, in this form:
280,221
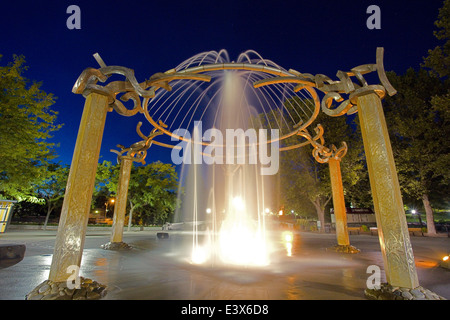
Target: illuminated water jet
226,200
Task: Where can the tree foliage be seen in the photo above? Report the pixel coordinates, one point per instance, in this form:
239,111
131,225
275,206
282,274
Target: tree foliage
151,191
418,122
52,188
27,122
305,185
438,59
302,175
418,131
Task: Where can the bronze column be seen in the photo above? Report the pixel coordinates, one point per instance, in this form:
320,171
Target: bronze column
391,221
338,202
121,200
77,200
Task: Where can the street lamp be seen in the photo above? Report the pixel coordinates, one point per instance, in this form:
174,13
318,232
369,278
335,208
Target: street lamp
413,211
106,205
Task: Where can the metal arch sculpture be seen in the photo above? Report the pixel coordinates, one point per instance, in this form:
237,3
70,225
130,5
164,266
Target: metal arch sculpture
237,66
138,151
333,90
131,89
321,153
362,98
128,89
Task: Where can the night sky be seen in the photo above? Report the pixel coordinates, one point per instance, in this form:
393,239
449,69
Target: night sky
155,36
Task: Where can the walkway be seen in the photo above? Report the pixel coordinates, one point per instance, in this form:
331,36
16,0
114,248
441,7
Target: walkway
159,268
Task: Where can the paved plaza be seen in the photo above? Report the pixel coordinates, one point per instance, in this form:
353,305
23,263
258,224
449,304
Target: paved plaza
159,269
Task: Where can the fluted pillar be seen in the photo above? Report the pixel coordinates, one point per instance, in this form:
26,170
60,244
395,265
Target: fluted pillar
389,211
80,185
121,200
340,213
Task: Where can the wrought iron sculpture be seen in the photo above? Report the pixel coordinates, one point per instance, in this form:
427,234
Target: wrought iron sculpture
128,89
138,151
321,153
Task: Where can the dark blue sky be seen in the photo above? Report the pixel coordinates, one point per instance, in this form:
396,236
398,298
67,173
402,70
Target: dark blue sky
154,36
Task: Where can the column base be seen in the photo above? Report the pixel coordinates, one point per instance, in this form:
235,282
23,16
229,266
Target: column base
116,246
388,292
344,249
49,290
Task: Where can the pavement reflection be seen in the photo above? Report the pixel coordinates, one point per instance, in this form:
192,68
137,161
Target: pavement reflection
160,268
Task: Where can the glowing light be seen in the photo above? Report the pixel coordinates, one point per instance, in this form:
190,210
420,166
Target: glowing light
238,204
241,239
267,210
199,255
241,245
445,258
288,237
280,212
289,249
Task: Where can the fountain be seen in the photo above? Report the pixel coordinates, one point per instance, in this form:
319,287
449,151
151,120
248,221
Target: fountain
229,195
226,196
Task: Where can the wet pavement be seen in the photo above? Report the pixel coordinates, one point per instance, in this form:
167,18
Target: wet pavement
159,269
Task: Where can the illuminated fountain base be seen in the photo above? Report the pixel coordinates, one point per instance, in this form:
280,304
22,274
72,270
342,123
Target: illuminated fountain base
116,246
344,249
86,289
388,292
240,240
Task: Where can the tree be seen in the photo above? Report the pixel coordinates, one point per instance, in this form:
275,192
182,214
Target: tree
27,122
438,59
301,175
303,178
417,119
151,191
52,187
418,122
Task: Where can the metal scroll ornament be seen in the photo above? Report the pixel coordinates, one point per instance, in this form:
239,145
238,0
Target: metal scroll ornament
137,151
334,89
130,89
321,153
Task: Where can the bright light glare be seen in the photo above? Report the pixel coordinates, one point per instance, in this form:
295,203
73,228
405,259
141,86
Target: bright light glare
289,249
199,255
238,204
241,239
267,210
445,258
243,246
208,211
288,237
